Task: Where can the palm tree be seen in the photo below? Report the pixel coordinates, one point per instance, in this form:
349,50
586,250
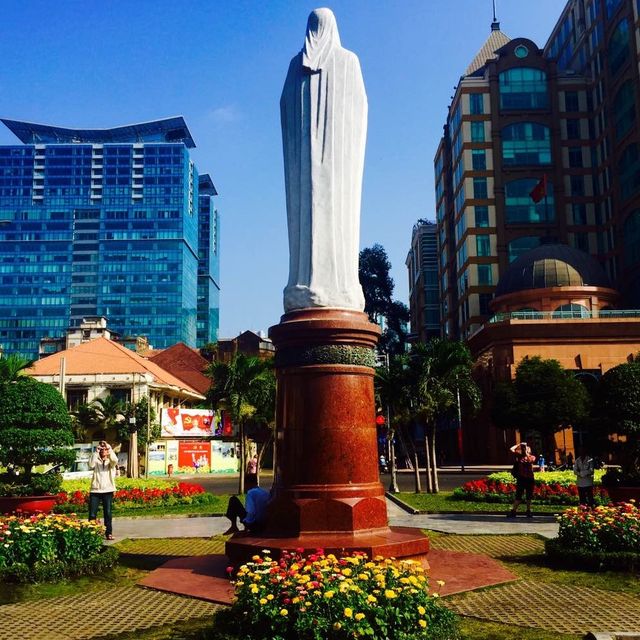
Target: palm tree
440,371
85,419
13,367
240,387
109,411
392,393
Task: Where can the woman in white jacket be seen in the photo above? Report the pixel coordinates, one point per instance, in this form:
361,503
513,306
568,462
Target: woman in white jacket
104,463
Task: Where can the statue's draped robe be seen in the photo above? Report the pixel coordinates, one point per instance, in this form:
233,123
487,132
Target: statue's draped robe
324,126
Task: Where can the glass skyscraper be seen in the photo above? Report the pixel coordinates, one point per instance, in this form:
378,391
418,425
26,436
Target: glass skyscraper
104,222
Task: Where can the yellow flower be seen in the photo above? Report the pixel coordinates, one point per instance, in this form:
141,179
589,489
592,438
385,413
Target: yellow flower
346,572
359,616
422,623
284,612
371,598
254,589
440,583
390,593
270,596
329,594
337,626
421,610
348,612
263,601
295,600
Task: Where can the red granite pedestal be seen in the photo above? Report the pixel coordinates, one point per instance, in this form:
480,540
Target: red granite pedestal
327,491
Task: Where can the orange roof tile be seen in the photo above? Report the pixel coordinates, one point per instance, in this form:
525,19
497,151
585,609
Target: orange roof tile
101,356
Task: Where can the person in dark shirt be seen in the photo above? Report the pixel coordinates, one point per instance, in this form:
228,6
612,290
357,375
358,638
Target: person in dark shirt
523,472
253,513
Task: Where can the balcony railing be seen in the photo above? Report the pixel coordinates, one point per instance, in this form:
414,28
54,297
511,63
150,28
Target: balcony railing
566,315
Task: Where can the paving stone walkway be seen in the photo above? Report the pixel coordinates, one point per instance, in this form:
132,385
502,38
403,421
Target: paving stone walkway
493,546
560,608
93,615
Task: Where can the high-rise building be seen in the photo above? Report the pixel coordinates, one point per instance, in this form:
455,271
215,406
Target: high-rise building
102,222
208,320
562,119
424,297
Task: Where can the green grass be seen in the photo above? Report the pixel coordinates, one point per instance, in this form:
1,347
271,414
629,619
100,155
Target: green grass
444,502
472,629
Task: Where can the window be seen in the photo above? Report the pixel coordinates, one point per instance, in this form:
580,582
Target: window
575,157
571,102
631,239
521,51
577,185
523,88
579,213
573,129
484,299
521,245
476,104
480,188
482,216
526,143
483,246
485,276
619,47
624,110
629,171
477,132
581,241
572,310
478,160
520,208
612,7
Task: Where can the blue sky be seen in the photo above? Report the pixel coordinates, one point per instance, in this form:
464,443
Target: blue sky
221,64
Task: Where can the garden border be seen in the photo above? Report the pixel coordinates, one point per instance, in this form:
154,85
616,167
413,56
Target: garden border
582,559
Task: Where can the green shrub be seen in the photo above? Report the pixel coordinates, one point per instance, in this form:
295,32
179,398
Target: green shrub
565,557
564,478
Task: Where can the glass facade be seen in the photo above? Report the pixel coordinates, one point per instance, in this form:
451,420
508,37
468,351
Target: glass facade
520,208
98,229
523,88
526,143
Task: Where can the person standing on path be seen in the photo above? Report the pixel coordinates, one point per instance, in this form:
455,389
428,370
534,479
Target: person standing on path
104,463
584,467
523,472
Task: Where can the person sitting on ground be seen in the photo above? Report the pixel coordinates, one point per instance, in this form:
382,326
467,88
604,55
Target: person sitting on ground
584,469
253,514
523,472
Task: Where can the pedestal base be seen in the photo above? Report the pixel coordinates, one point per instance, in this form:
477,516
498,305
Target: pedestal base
390,542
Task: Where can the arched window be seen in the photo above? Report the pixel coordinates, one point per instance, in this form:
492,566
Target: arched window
523,88
619,47
526,143
572,310
520,245
629,171
624,110
631,238
519,207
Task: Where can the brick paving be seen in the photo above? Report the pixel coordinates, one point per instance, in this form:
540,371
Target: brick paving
172,548
94,615
493,546
560,608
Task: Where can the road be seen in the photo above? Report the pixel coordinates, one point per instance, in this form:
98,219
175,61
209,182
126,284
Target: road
449,479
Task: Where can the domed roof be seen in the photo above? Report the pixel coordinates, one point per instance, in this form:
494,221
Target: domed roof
552,265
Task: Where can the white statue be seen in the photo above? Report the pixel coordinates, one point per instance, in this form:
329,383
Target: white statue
324,126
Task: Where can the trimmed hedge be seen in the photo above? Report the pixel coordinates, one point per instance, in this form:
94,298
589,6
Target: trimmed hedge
59,570
580,559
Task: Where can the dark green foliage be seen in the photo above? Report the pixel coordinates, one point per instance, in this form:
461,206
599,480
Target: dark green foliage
139,411
35,426
543,397
40,484
582,560
12,367
58,570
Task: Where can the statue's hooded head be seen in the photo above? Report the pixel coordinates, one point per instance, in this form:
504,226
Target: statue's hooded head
322,37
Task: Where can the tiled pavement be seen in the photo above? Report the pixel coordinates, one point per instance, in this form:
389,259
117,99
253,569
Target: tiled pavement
560,608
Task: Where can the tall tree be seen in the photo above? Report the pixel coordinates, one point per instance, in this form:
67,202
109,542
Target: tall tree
377,284
543,397
619,409
440,372
239,387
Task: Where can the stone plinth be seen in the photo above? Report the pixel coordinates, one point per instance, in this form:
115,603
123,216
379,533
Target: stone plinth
327,490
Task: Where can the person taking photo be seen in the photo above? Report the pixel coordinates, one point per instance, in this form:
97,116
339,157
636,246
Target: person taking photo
104,463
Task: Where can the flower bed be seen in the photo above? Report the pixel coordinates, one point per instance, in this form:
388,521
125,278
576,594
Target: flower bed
138,497
322,597
563,478
604,537
48,547
504,491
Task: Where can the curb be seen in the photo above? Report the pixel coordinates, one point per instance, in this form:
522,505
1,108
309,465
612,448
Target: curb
403,505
